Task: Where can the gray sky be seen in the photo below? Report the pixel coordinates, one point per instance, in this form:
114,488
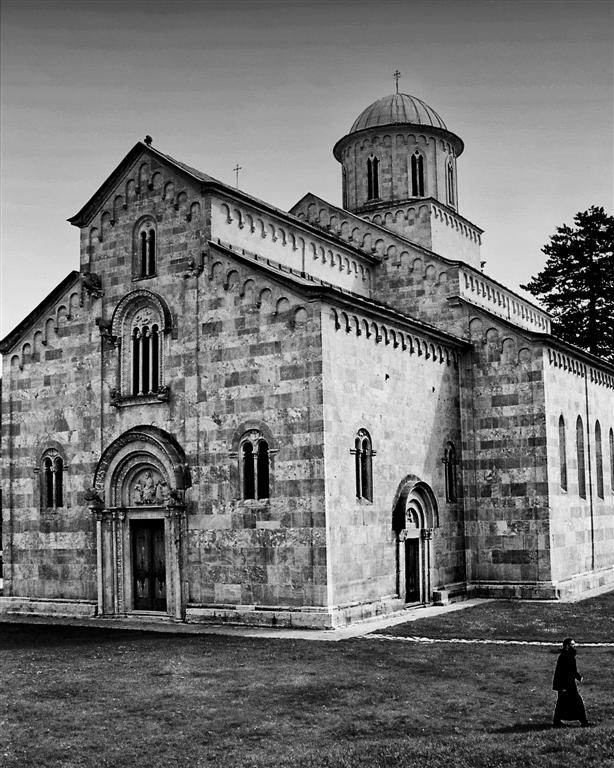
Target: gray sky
273,84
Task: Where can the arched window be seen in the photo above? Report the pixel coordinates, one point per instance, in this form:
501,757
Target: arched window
262,463
52,480
417,175
450,183
145,359
363,465
562,453
145,249
599,459
580,454
449,460
612,460
249,471
141,323
372,177
254,457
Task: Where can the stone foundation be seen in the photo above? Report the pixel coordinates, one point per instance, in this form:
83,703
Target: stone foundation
284,616
24,606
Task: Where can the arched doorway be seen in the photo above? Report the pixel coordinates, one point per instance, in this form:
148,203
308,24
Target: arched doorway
414,516
138,504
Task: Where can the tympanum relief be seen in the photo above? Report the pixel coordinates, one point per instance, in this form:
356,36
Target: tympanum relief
149,488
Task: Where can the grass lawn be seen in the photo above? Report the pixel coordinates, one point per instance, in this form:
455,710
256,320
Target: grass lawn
94,698
589,621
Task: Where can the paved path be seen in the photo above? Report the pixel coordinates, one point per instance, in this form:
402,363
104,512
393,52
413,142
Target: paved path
477,641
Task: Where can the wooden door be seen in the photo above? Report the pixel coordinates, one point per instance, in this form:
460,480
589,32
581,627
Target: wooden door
412,570
148,565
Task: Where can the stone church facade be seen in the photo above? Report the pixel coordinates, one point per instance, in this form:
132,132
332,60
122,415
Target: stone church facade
235,413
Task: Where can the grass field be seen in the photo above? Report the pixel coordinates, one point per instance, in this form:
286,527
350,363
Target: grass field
94,698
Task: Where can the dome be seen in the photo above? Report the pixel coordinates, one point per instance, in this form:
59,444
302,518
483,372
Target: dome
397,108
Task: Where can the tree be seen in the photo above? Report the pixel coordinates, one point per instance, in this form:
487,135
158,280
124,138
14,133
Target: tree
577,283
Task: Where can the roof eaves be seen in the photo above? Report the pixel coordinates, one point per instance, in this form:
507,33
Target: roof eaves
319,287
8,342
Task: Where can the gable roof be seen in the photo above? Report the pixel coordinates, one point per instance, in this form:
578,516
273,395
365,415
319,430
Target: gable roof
9,341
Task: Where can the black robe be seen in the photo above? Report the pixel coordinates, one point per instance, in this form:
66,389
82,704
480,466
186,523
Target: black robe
569,705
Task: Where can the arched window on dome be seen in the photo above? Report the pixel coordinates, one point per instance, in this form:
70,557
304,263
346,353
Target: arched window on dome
580,458
372,177
144,261
417,175
450,183
562,454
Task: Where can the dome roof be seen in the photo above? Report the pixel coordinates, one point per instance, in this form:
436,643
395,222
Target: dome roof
397,108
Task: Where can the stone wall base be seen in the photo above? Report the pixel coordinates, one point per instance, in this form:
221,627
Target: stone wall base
32,606
318,617
575,586
591,581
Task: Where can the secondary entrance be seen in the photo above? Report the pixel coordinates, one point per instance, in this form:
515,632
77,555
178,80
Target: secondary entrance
414,517
412,570
148,565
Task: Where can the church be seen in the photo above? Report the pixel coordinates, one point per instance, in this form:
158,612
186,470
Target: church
234,413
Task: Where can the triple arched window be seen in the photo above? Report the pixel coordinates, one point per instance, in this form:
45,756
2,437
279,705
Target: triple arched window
141,324
145,342
145,249
363,465
254,466
52,480
372,177
417,175
449,461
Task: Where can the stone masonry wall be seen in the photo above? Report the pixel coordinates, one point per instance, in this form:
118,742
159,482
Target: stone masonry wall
260,368
581,529
51,380
403,390
505,462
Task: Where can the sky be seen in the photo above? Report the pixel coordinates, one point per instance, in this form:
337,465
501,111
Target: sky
273,84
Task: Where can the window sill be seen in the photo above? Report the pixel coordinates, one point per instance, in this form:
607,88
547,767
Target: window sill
138,278
255,503
122,401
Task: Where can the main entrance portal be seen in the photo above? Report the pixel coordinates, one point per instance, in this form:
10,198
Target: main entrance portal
148,565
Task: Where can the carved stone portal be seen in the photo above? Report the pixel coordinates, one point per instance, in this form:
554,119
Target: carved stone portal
149,488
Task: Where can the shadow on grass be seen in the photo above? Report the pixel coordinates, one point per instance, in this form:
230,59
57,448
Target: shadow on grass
524,728
15,635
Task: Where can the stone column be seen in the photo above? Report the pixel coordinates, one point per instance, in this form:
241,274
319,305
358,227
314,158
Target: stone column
427,538
98,516
119,516
175,516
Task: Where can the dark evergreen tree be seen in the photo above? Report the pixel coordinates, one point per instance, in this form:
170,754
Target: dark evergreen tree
577,282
